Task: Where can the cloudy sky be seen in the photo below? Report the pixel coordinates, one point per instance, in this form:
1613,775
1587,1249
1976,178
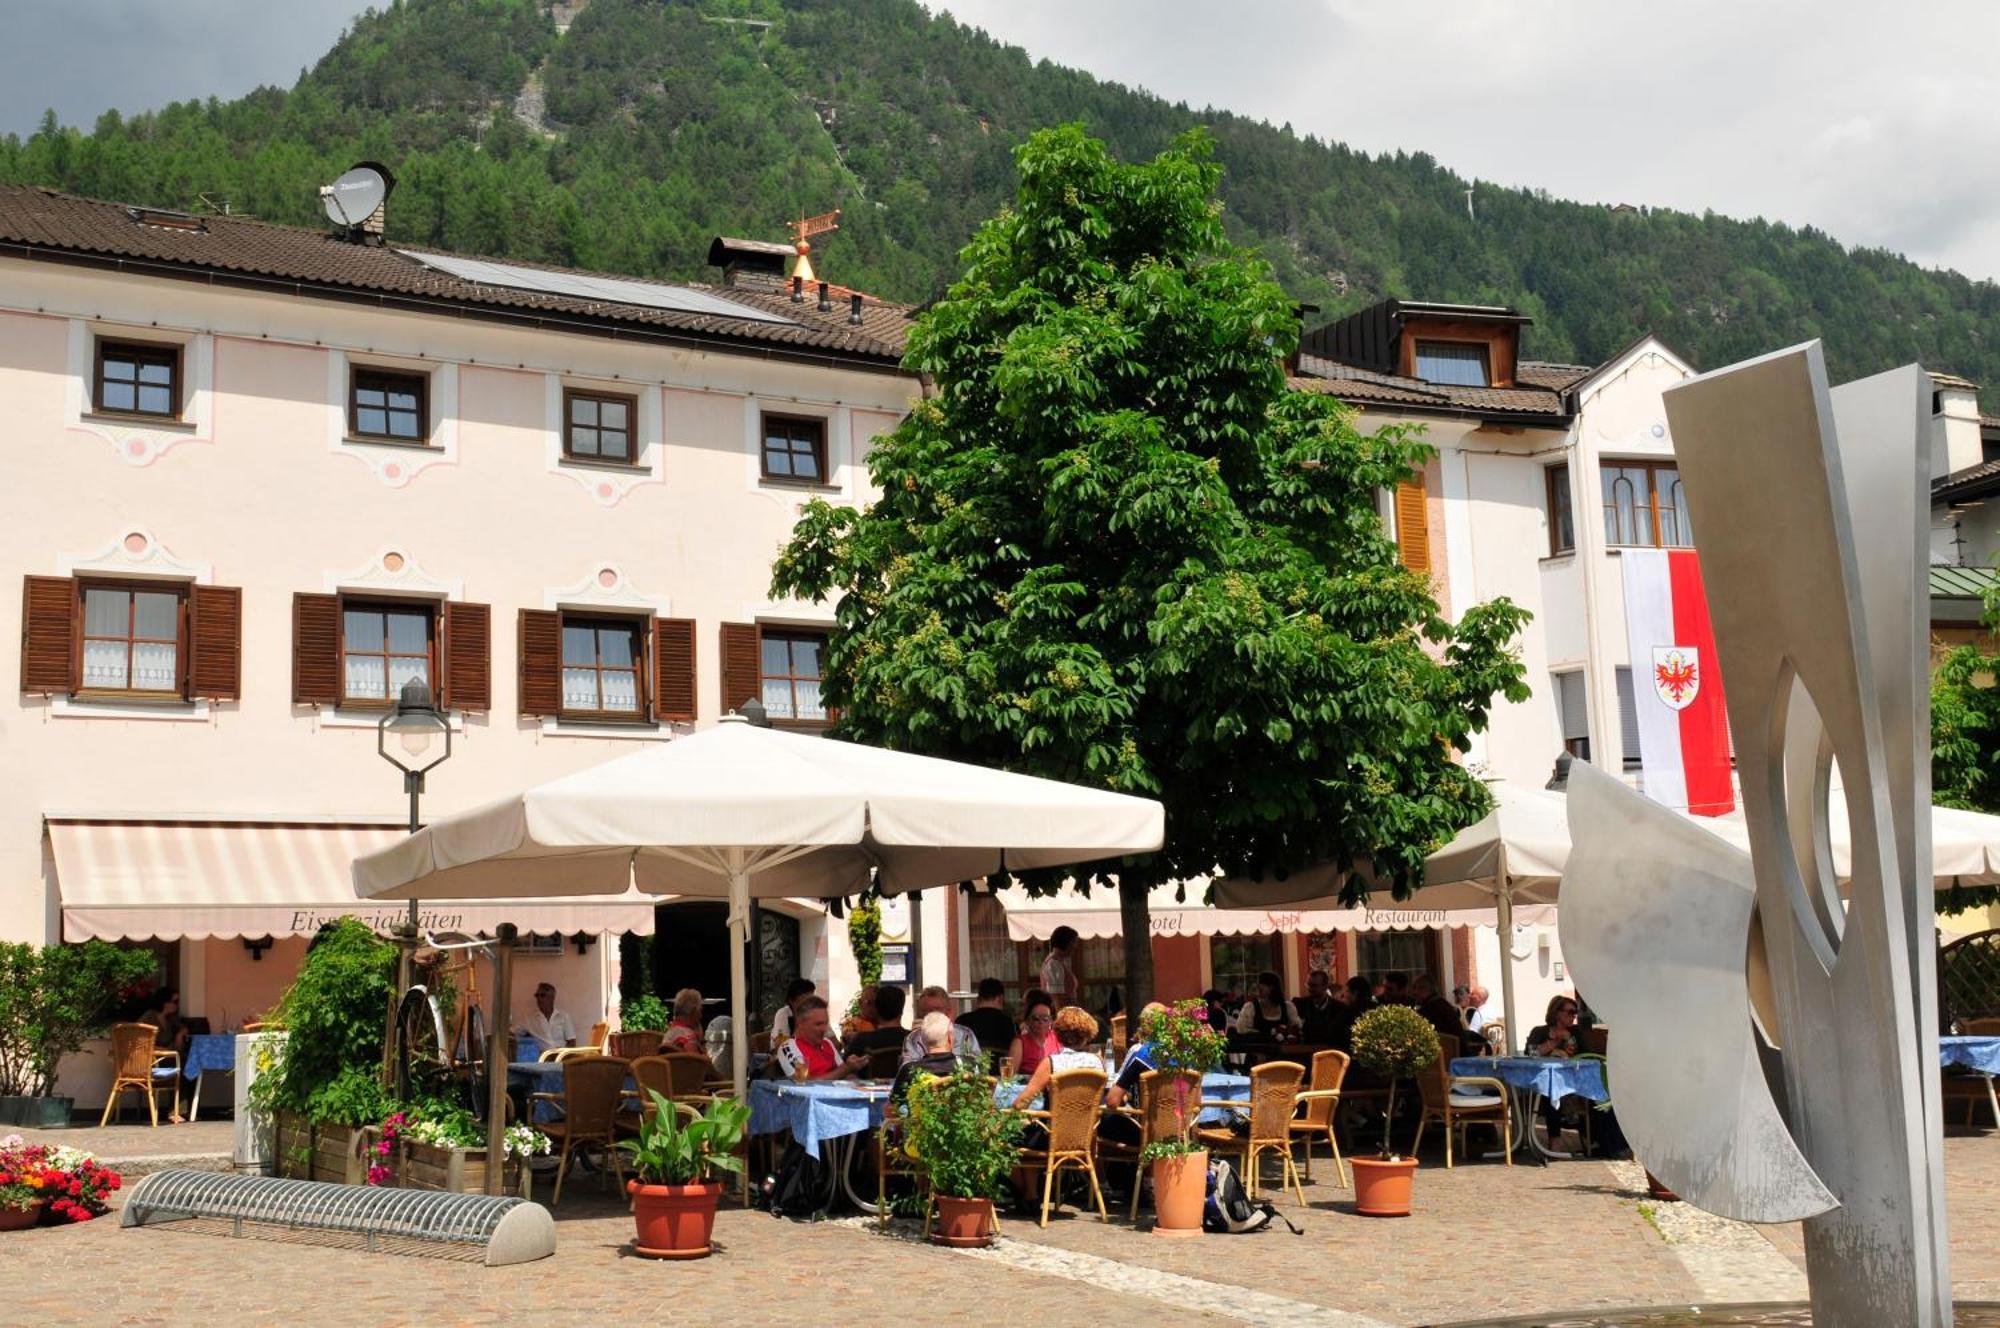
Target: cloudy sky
1876,122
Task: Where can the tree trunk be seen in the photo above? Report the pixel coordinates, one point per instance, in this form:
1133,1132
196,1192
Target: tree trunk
1135,919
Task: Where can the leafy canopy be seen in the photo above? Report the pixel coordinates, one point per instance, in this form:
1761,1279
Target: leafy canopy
1965,741
333,1016
1114,547
53,999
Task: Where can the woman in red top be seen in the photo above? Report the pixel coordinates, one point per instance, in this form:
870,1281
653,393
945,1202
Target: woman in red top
1037,1038
684,1032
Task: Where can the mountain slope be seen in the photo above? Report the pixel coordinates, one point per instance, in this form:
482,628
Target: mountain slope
651,125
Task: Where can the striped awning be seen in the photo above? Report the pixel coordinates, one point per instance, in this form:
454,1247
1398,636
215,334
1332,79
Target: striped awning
126,879
1097,917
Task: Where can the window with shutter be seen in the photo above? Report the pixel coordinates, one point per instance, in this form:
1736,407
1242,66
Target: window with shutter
315,649
603,668
1413,537
134,641
673,670
467,683
215,642
48,634
1628,719
789,664
540,663
383,646
740,655
1573,713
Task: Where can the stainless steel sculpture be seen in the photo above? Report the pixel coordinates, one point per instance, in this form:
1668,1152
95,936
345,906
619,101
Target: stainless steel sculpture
1805,504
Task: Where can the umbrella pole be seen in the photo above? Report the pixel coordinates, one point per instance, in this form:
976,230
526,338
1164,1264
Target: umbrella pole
1505,902
739,1014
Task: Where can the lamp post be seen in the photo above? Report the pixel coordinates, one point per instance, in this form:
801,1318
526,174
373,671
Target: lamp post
416,723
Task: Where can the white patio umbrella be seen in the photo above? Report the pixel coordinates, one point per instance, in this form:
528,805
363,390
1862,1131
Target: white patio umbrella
1513,854
741,812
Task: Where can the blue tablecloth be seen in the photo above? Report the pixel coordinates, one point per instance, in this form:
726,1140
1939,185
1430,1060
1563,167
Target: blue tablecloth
212,1052
1223,1087
815,1113
1975,1053
1554,1077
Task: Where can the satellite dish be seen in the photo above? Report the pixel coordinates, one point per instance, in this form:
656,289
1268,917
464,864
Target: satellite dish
352,198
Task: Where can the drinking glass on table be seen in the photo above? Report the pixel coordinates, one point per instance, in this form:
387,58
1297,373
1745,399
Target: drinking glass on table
1006,1067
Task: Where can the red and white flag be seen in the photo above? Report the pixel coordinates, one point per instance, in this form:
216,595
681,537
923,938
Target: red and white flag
1676,682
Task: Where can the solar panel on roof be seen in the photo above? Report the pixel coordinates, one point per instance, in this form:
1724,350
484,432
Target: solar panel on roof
605,290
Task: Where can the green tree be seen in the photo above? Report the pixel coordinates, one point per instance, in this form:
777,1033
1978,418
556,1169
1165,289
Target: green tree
1965,742
1114,547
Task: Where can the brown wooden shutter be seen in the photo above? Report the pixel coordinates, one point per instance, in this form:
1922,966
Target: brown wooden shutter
541,662
673,669
315,649
48,634
215,642
742,658
1413,532
467,656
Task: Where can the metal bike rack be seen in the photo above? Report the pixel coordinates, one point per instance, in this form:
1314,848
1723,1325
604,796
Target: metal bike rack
413,1221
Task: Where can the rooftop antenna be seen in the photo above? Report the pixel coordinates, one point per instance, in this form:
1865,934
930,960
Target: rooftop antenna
802,232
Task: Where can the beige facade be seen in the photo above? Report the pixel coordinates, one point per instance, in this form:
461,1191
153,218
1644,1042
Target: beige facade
260,486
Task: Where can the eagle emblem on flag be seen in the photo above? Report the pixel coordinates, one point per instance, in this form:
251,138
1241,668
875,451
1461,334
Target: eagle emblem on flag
1676,675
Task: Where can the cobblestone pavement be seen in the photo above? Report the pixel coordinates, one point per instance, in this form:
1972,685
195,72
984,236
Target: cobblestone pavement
1485,1240
210,1141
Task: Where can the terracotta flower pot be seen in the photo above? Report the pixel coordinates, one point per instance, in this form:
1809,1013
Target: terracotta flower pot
19,1219
674,1221
1180,1186
1382,1187
963,1223
1658,1190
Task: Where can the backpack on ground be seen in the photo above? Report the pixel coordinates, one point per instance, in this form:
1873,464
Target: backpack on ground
1230,1211
798,1187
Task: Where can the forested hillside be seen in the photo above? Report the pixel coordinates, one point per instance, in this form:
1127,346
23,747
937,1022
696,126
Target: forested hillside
651,125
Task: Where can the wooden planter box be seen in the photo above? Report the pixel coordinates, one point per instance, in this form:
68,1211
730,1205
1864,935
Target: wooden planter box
294,1135
341,1153
457,1170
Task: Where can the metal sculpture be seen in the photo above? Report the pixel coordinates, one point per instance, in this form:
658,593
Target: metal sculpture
1782,1043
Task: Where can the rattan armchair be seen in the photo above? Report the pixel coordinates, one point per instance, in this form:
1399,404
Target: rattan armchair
1075,1100
596,1044
137,1063
1446,1102
593,1088
1157,1117
1118,1033
1317,1108
1274,1100
634,1044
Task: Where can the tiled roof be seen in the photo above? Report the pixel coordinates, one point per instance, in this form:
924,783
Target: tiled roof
1967,483
1537,397
44,222
1951,381
1558,377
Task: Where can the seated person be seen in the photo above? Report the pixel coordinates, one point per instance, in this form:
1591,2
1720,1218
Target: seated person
1437,1011
547,1025
1075,1028
1395,989
1323,1013
684,1029
938,1058
1036,1040
936,1000
809,1055
1556,1035
169,1033
988,1021
1267,1014
781,1023
888,1030
1138,1060
863,1020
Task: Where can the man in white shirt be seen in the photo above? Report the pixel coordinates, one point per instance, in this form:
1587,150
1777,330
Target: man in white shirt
547,1025
936,1000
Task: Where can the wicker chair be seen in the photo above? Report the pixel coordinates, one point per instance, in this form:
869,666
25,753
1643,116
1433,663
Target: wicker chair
593,1087
883,1062
1445,1102
1316,1109
635,1043
137,1063
1274,1101
594,1045
1597,1040
1157,1119
1118,1033
1075,1105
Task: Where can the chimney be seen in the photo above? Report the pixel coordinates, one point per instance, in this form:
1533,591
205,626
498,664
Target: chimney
825,300
1955,441
798,290
854,308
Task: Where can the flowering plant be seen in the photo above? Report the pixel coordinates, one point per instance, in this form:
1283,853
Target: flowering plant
444,1126
1181,1041
73,1182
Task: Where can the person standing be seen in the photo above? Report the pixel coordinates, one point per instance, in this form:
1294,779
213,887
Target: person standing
1059,975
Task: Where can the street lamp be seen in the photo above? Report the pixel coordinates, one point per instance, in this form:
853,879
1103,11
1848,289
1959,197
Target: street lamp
416,722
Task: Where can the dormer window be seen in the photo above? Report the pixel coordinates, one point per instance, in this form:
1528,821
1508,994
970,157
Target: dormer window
1459,363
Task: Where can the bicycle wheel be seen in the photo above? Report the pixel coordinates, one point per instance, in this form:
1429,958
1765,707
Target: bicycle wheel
420,1058
475,1062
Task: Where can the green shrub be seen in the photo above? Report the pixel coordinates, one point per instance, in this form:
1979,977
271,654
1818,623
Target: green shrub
53,999
334,1015
1395,1042
963,1138
647,1012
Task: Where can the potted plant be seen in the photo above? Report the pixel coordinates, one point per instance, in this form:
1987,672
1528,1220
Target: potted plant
965,1141
1395,1042
674,1163
53,999
25,1184
647,1013
1180,1040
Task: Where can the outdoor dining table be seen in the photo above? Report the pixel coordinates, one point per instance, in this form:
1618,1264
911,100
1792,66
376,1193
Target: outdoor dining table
1978,1054
207,1053
833,1117
1533,1078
